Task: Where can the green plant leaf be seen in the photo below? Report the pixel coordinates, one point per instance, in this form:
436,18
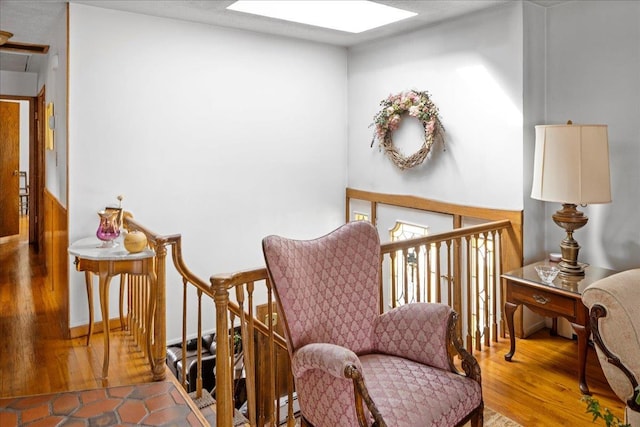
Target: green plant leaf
594,408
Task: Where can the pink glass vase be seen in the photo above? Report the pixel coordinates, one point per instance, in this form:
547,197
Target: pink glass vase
108,230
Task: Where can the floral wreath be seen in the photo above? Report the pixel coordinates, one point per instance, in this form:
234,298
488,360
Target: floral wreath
416,104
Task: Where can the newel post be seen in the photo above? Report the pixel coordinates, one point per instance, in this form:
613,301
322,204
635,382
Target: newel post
224,398
159,348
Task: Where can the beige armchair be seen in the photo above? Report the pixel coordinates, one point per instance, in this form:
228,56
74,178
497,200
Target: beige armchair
614,307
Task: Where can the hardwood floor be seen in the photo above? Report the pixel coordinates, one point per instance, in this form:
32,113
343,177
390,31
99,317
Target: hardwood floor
34,356
539,388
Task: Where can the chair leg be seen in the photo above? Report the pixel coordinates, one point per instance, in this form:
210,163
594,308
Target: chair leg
477,420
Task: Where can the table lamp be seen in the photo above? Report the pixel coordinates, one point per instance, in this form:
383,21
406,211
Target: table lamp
571,166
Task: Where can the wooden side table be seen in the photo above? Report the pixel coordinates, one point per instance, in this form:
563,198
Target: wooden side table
106,263
562,298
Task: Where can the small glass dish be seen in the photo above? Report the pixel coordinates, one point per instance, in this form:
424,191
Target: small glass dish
547,272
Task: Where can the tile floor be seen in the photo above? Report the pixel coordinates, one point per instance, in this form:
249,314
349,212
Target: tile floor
153,404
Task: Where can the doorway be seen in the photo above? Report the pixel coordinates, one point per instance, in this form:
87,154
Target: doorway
22,168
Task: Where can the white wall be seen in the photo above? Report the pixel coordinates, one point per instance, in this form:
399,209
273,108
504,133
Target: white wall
593,76
221,135
534,114
473,68
534,18
24,136
54,76
18,84
215,144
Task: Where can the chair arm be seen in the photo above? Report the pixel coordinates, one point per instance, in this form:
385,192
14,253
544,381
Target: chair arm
341,363
329,358
416,331
613,304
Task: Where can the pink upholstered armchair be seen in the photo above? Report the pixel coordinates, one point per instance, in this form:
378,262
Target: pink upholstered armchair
614,312
344,353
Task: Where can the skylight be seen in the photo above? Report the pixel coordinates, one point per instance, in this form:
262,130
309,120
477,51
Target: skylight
353,16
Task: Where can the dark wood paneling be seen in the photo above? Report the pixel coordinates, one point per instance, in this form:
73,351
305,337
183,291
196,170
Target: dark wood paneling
56,259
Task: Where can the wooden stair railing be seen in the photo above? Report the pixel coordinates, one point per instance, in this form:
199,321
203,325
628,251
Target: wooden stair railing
160,245
511,238
139,295
138,303
456,267
482,317
262,379
460,268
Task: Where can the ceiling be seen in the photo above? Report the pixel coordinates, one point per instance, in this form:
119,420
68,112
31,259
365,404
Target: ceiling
34,21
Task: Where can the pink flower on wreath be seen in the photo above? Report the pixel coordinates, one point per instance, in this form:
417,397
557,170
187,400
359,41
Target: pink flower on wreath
431,125
394,122
414,110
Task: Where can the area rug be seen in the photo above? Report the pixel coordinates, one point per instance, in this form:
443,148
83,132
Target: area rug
494,419
491,419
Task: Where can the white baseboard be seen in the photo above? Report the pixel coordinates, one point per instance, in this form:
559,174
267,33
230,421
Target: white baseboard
532,328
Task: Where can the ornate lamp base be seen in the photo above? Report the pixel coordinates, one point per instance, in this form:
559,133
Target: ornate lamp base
570,219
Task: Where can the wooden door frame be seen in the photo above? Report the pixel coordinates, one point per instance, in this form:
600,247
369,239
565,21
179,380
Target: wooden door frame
36,168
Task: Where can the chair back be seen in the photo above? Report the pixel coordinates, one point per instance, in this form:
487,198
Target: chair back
327,288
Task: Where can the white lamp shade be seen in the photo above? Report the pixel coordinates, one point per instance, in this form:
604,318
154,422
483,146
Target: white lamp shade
571,164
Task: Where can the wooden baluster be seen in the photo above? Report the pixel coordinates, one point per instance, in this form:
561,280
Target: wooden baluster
151,344
476,266
487,291
428,292
123,281
494,287
141,304
159,348
199,351
129,306
273,391
224,396
251,350
266,413
449,274
469,300
405,254
374,213
457,282
246,333
291,421
231,333
132,316
183,380
381,294
418,288
394,296
136,307
438,281
145,308
503,332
